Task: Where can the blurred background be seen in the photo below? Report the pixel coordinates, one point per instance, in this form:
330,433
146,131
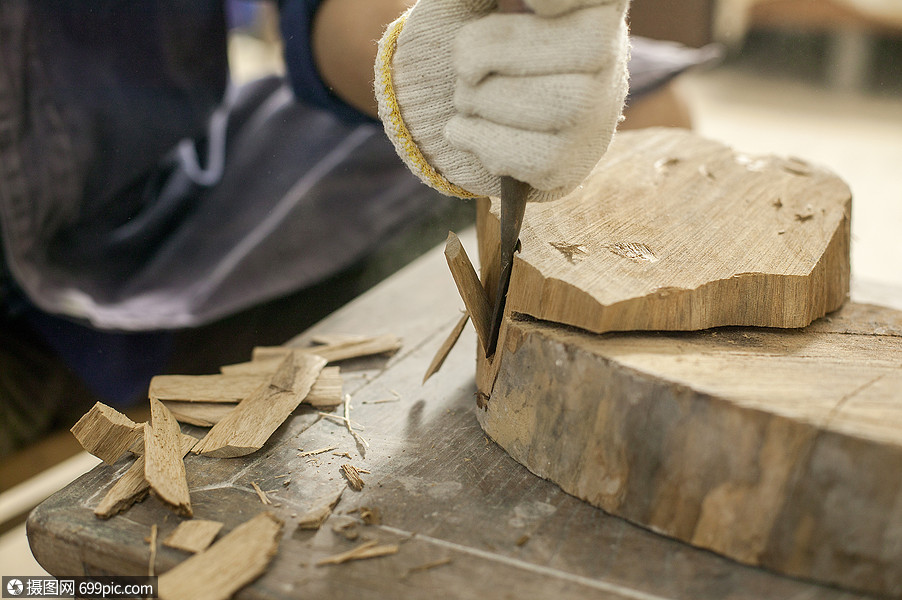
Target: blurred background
820,80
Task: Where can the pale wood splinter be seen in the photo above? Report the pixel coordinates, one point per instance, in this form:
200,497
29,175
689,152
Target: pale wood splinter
106,433
193,536
246,428
221,570
132,486
164,468
470,288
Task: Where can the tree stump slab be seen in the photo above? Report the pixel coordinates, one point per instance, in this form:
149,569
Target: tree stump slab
779,448
665,357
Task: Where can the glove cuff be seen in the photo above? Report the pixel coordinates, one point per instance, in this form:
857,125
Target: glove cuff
393,121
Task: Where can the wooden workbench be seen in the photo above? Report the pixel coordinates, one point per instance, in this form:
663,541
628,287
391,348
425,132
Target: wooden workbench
444,492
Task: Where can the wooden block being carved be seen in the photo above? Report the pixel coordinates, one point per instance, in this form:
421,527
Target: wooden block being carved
675,232
163,465
106,433
247,427
775,447
228,565
193,536
132,487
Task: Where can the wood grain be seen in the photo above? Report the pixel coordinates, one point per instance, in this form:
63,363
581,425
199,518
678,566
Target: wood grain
226,566
106,433
246,428
164,469
780,448
675,232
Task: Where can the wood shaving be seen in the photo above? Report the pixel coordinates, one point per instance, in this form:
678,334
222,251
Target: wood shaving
316,516
353,476
106,433
151,563
193,536
370,549
427,566
261,494
231,563
320,451
445,349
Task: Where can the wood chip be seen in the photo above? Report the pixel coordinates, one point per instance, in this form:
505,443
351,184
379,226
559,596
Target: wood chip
106,433
132,487
193,536
163,465
283,377
370,549
320,451
229,389
445,349
353,476
152,561
427,566
370,516
227,566
260,493
255,419
129,489
370,346
201,414
316,516
347,528
326,390
333,339
470,288
255,367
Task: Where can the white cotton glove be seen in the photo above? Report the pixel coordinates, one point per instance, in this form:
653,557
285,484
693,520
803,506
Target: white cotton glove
468,94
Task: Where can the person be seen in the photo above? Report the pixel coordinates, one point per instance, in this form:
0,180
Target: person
149,208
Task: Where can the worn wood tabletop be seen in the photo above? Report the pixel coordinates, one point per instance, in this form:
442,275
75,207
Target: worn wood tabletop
470,522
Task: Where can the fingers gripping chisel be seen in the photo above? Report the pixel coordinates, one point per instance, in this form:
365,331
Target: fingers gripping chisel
513,205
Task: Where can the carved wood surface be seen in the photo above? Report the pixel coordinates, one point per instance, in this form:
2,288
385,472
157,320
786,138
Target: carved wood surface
676,232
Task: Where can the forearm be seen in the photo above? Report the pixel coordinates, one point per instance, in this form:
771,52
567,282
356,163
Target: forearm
344,39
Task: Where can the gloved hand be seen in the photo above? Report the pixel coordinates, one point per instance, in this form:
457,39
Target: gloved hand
468,94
